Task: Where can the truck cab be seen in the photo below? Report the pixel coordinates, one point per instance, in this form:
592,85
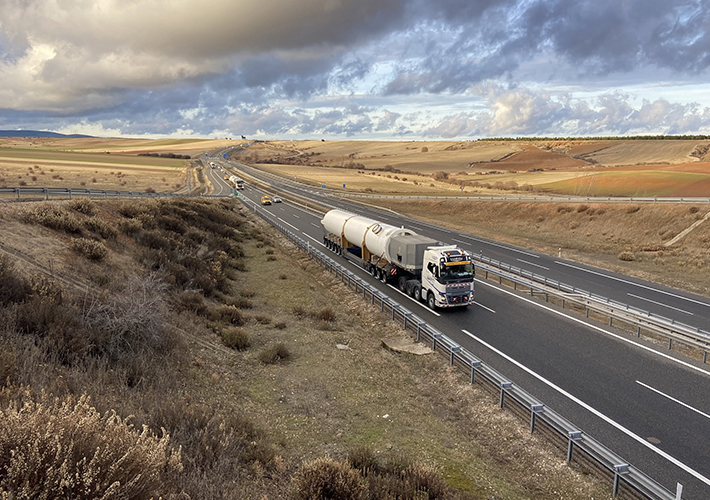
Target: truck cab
447,277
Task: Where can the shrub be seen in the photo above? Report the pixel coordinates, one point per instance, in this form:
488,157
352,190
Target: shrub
69,450
274,354
130,227
83,205
626,256
280,325
412,481
300,312
632,209
191,300
326,479
693,210
91,249
326,314
425,149
100,227
364,459
227,314
236,338
563,209
13,288
271,258
440,175
130,321
53,217
262,319
582,208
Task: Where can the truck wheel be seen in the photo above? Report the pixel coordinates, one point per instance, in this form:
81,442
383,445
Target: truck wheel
430,301
417,293
402,284
383,276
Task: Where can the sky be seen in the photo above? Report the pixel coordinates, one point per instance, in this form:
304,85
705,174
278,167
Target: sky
355,69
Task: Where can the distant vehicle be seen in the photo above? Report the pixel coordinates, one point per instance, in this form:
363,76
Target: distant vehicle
226,177
266,200
240,184
212,164
277,199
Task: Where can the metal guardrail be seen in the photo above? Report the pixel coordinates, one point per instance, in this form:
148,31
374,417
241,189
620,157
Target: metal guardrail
35,193
628,482
669,328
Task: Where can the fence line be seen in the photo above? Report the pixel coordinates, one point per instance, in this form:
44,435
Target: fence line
627,481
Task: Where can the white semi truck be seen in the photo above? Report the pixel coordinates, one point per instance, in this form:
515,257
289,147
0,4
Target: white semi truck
442,275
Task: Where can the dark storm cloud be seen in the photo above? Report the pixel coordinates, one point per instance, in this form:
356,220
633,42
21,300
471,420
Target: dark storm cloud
157,65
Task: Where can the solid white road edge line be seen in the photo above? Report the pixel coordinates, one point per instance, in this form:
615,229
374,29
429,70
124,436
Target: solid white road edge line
599,329
673,399
659,303
311,237
632,283
484,307
596,412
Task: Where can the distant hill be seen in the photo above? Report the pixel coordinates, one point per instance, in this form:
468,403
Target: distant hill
38,133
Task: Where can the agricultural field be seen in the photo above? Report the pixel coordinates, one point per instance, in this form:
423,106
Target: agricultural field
641,167
97,163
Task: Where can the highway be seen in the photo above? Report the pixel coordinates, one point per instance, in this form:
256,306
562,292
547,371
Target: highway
649,405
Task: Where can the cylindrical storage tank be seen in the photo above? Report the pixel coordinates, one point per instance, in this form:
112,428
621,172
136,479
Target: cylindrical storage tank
334,221
378,236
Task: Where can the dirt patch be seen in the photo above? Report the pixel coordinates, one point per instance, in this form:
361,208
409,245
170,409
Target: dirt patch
533,158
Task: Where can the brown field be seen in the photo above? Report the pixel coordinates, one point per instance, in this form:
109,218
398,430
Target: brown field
653,168
642,152
97,163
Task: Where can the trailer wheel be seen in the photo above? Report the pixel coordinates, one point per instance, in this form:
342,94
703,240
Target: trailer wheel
402,284
383,276
417,293
430,301
373,271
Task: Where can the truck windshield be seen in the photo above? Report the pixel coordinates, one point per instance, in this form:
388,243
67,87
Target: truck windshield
457,273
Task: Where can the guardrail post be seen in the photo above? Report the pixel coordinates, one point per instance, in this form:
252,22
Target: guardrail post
394,308
435,337
69,193
534,410
670,344
618,471
474,365
405,320
46,193
454,350
503,387
573,436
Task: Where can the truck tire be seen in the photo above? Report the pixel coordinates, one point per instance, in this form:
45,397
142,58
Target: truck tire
402,284
417,293
383,276
431,302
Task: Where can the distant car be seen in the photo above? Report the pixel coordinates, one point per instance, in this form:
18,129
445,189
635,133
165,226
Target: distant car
277,199
266,200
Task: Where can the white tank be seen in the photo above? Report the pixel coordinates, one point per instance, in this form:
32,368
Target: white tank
361,231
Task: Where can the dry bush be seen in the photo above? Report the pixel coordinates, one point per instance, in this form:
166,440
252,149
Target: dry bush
300,312
440,175
236,338
191,300
326,314
83,205
262,319
416,481
632,209
425,149
564,209
271,258
130,227
364,459
100,227
51,216
280,325
69,450
227,314
693,210
582,208
13,288
130,321
91,249
210,441
626,256
275,353
326,479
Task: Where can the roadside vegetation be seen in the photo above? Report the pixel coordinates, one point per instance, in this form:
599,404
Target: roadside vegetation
182,349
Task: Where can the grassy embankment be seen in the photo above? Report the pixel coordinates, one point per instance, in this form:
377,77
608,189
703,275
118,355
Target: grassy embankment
195,318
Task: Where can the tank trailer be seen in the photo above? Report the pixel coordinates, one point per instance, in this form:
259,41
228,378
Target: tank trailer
426,269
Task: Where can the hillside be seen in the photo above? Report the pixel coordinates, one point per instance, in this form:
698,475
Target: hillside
194,321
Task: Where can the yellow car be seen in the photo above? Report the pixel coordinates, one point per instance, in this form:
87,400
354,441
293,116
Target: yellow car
266,200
